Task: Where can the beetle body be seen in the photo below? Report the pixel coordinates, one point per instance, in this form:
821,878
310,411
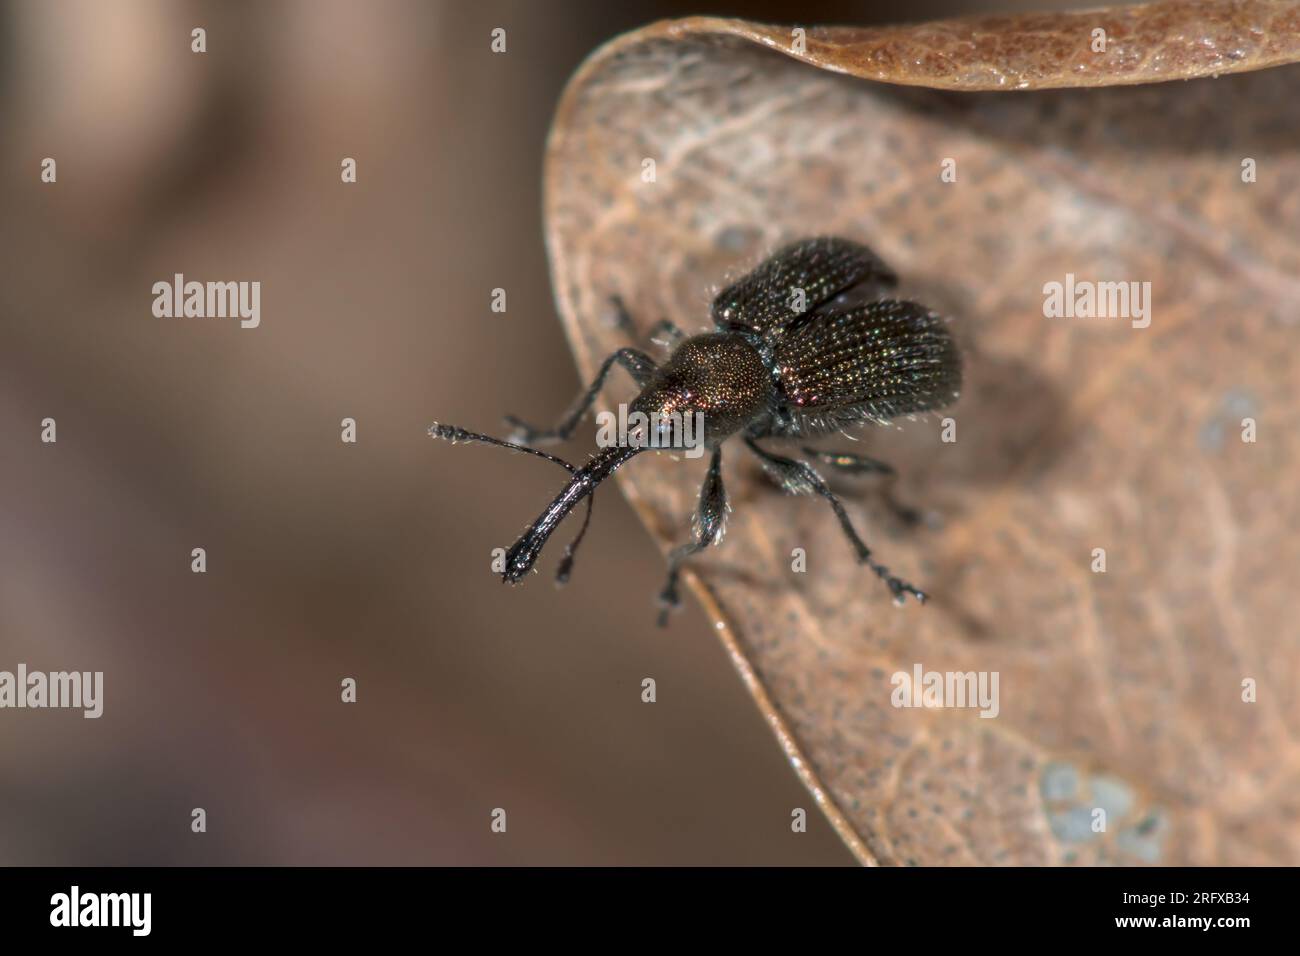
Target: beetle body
807,344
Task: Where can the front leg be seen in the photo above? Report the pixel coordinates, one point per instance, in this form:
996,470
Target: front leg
663,333
639,365
666,335
707,527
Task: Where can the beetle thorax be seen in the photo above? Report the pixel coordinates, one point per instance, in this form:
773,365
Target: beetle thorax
719,375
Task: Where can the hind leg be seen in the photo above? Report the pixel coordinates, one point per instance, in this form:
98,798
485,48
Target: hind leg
852,463
799,477
637,363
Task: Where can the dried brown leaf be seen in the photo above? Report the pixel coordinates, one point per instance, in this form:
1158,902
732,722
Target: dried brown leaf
1120,690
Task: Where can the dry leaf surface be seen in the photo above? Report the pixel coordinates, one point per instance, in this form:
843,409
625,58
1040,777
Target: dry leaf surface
1119,690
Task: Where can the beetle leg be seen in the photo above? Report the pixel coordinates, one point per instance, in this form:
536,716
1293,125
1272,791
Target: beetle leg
665,334
707,528
639,365
852,463
800,478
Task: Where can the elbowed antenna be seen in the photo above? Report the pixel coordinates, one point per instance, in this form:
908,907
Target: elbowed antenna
523,553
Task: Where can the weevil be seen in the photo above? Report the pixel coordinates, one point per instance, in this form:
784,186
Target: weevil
807,344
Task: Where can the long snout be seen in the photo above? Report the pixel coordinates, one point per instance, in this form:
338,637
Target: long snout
523,554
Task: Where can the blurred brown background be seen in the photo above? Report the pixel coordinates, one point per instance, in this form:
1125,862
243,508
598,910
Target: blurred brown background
328,560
